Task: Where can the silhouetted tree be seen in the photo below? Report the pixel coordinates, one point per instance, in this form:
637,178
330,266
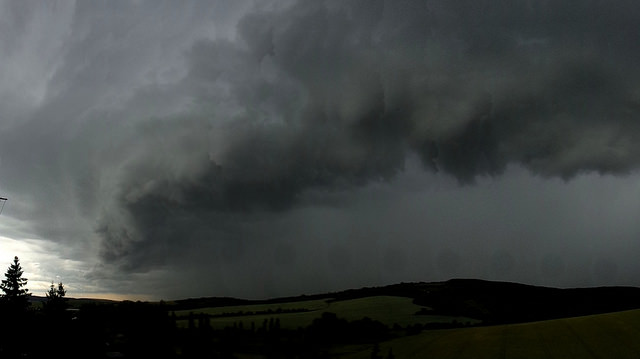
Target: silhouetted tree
15,296
14,303
56,302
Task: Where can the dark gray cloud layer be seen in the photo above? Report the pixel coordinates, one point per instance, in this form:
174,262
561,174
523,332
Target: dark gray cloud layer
218,130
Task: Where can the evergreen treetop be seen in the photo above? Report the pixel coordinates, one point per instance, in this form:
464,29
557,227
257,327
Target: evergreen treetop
13,286
55,298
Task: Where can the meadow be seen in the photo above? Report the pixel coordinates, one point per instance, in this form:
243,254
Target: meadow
389,310
611,335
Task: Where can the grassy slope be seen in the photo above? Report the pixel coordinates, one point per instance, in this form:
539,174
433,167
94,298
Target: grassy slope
386,309
613,335
489,302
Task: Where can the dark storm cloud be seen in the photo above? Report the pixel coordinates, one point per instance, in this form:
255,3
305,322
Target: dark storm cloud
332,95
78,77
207,133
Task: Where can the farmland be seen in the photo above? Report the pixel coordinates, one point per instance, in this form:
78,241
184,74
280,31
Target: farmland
389,310
611,335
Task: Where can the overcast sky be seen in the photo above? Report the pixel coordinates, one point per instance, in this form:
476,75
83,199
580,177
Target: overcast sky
163,149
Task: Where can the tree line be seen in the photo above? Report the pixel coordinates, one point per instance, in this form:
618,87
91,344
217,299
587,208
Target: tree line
15,296
24,323
149,330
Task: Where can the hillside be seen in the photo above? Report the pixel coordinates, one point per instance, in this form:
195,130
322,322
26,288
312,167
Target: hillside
503,302
488,301
611,335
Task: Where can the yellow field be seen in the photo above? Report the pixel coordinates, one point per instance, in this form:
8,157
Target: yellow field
614,335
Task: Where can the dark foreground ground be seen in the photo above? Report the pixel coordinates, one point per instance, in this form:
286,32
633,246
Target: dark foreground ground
184,329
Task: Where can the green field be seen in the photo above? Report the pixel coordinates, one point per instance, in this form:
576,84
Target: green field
614,335
386,309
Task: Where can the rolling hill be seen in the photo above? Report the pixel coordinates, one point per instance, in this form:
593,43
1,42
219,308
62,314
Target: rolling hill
487,301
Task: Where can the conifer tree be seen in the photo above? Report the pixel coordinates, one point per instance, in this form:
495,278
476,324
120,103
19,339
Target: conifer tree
15,295
61,291
55,298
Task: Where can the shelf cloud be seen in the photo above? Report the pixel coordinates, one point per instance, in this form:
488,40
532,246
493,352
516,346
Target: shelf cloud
194,138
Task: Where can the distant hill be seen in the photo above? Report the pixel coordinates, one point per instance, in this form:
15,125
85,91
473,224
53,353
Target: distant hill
504,302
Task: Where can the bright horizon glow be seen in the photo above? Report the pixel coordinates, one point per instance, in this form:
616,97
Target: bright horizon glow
42,268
